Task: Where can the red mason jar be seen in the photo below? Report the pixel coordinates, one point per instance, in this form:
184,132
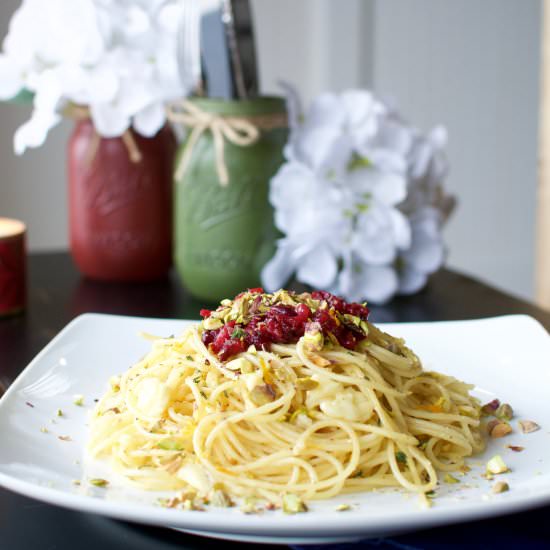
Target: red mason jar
120,211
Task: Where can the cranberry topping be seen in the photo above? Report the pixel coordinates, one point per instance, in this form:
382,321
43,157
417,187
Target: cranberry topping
283,324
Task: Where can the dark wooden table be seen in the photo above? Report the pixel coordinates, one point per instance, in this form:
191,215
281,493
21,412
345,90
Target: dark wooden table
57,294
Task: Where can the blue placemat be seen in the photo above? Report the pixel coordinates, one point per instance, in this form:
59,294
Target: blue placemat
526,531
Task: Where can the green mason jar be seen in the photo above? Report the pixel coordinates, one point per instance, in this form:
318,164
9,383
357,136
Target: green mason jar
224,234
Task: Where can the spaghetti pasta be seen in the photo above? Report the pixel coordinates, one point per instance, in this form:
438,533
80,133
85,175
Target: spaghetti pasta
307,416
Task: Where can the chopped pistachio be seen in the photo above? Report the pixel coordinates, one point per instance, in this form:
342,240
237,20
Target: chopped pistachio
515,448
313,337
249,506
450,479
64,437
192,504
76,482
342,508
528,426
220,499
44,430
98,482
78,400
491,425
491,407
500,487
211,323
58,412
169,445
496,465
263,394
504,412
351,319
293,504
501,429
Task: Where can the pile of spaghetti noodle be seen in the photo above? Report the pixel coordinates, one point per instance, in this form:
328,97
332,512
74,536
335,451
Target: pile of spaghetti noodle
314,400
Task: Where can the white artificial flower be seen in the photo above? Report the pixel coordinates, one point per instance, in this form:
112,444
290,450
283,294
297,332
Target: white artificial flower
315,263
356,200
116,57
428,168
44,117
304,206
426,254
360,281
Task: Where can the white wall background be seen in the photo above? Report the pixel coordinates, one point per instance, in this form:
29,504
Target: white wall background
471,65
475,67
32,188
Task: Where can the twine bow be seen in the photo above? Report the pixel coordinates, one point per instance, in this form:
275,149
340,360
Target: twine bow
78,112
241,131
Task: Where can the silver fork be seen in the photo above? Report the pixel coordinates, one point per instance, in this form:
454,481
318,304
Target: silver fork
188,44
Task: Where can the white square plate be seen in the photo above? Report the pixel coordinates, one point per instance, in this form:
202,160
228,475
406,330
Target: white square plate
506,357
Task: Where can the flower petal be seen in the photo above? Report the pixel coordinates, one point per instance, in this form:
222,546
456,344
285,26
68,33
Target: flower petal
426,254
427,251
411,281
277,271
380,283
390,188
102,85
401,229
374,240
150,120
318,268
359,281
109,120
33,133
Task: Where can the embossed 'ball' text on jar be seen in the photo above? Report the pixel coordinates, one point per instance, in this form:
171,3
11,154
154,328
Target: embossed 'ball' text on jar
224,230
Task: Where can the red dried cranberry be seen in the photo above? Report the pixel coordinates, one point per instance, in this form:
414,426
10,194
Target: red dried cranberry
205,313
283,323
303,312
231,347
358,310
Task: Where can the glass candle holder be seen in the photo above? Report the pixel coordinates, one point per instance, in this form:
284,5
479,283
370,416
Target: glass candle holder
12,267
